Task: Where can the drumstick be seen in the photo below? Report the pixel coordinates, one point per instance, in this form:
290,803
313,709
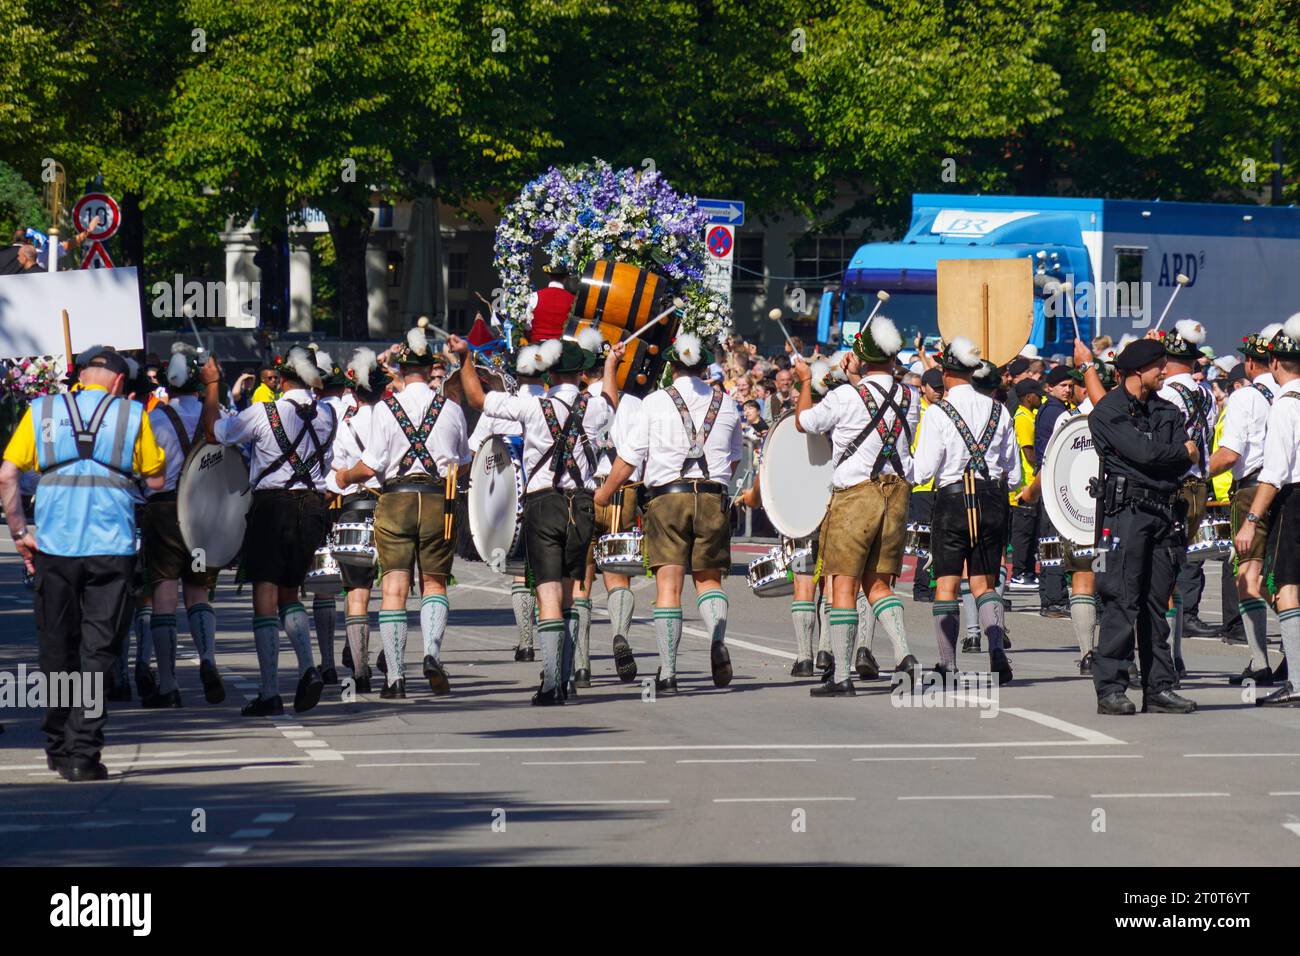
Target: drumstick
450,495
881,298
1181,281
677,304
1068,290
775,316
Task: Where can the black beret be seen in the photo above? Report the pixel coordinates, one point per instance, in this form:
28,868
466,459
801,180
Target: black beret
1139,354
1028,386
1058,375
1018,366
1237,373
934,378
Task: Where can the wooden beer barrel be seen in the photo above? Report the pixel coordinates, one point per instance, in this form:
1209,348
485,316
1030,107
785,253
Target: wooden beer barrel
617,299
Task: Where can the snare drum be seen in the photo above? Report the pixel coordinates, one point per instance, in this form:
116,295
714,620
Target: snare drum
620,553
1051,552
354,543
324,576
1213,538
917,542
770,575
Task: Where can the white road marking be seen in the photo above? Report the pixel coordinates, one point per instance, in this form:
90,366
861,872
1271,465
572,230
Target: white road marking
312,744
926,759
784,799
252,833
641,748
1081,757
982,796
324,755
747,645
273,818
1064,726
228,850
595,803
1241,755
176,762
753,760
1293,827
1284,793
1161,796
445,764
577,763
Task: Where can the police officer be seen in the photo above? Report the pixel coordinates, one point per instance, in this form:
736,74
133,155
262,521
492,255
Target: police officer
89,447
1145,453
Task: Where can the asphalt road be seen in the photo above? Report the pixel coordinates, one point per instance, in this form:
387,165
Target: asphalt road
757,772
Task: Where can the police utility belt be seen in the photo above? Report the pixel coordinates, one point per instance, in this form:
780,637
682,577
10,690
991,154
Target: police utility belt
1117,491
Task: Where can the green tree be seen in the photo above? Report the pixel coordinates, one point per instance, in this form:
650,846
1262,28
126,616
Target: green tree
20,204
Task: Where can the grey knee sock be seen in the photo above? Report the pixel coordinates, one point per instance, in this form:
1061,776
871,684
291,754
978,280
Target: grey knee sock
523,603
358,629
297,628
622,602
713,606
668,634
992,620
266,638
164,642
1083,615
582,653
324,610
968,612
889,612
434,609
1254,615
803,615
550,634
392,631
844,625
1291,643
947,619
203,631
823,625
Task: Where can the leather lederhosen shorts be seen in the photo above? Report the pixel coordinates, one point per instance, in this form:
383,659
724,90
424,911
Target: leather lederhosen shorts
558,527
409,527
166,558
865,528
689,529
950,535
284,529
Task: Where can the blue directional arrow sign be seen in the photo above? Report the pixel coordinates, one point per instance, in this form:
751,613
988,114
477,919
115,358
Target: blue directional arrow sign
730,212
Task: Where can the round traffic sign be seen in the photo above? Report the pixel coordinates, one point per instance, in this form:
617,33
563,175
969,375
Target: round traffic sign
97,204
719,242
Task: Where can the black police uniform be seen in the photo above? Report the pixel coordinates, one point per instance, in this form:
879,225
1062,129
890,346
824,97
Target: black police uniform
1144,458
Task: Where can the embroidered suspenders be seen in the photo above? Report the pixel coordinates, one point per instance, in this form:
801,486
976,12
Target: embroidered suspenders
348,414
416,438
1263,390
565,438
696,452
300,466
1197,404
888,453
978,450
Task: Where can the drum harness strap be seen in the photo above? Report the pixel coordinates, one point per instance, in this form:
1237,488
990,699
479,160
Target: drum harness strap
566,439
888,453
1264,390
85,434
300,466
350,413
697,440
1196,405
174,419
416,438
976,463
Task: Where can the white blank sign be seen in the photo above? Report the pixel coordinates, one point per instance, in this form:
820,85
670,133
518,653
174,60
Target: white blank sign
103,309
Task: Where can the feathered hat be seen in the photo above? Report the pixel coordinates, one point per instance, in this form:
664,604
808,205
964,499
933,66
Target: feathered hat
299,365
879,341
364,374
960,355
1185,341
332,374
688,350
572,357
1285,344
986,376
532,361
416,351
1255,345
183,369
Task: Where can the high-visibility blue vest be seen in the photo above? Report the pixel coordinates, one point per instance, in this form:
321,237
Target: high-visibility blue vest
84,503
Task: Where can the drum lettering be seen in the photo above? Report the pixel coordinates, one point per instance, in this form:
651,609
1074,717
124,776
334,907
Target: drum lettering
210,459
1082,443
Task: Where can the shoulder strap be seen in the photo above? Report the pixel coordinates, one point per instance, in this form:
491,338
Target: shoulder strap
174,419
1265,391
300,466
416,438
86,433
695,453
977,450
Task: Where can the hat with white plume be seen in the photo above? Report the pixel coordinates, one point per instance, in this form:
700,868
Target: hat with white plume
688,351
1255,345
960,355
364,374
1286,343
416,350
299,365
529,362
822,376
879,341
591,340
1185,341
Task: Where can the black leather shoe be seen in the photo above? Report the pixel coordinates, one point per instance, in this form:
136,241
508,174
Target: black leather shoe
923,597
1000,665
437,677
1285,696
382,664
1262,677
309,690
909,665
824,660
80,771
970,644
582,678
1115,705
146,682
162,701
52,762
1233,634
1085,665
394,691
214,691
1167,702
547,698
624,661
525,654
1134,677
665,685
721,663
1055,612
1281,673
361,681
802,668
347,657
943,670
865,664
1193,626
329,676
263,707
1006,641
831,689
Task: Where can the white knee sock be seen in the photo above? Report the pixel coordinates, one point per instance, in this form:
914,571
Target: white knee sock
668,634
434,609
550,634
582,652
803,615
523,604
392,631
164,642
622,603
1254,615
889,612
297,628
712,606
203,631
266,638
1083,615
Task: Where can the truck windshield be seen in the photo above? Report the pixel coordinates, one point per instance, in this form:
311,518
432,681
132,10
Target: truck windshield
912,312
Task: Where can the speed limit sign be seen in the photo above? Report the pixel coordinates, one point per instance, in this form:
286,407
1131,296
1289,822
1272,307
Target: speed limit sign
99,205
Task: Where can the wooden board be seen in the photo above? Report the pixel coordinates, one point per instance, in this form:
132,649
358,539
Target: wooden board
1001,289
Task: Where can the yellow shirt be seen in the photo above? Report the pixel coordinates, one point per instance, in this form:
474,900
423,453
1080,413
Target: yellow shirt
262,393
929,485
1024,423
1221,483
146,458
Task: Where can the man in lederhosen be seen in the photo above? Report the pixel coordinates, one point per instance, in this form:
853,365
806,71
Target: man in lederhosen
528,372
416,437
1197,405
561,429
871,420
369,381
292,448
688,439
1241,449
968,446
167,559
324,607
1278,494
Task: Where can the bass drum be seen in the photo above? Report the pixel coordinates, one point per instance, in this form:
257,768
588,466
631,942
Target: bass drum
617,299
1069,463
496,506
212,502
795,474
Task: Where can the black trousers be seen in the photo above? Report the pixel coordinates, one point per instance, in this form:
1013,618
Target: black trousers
1135,583
920,510
1191,583
83,609
1024,538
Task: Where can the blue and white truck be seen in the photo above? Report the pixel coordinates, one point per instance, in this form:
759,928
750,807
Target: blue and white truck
1121,256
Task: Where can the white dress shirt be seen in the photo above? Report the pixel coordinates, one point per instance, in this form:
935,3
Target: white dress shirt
658,439
1211,415
1281,464
447,443
189,408
629,408
941,453
252,426
844,414
488,426
350,441
1245,419
527,411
